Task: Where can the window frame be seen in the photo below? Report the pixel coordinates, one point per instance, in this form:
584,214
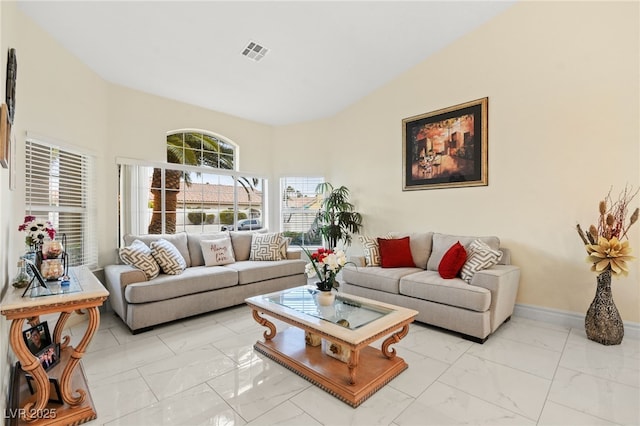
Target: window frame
308,181
138,226
85,233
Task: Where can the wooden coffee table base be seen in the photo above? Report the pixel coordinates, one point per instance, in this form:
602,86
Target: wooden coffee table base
289,349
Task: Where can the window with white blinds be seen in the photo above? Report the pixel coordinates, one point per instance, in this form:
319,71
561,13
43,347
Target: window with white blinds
299,205
59,187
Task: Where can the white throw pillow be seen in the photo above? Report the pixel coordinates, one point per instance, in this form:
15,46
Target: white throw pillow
266,246
479,256
168,257
217,252
139,256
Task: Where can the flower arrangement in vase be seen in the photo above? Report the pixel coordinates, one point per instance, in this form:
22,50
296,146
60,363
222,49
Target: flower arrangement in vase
325,264
37,230
608,255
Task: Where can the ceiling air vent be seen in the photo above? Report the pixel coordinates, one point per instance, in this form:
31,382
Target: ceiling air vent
254,51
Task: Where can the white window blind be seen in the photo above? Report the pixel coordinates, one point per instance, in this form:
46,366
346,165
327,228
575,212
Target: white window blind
59,187
299,205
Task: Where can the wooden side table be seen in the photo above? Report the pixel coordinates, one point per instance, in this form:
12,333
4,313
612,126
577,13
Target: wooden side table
76,405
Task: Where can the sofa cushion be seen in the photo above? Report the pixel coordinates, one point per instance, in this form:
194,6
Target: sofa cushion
217,252
452,261
138,255
193,280
420,243
195,250
376,277
442,243
479,256
241,241
251,271
179,240
371,250
429,285
395,253
168,257
266,246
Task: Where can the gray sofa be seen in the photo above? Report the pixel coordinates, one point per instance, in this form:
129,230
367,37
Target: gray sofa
143,303
475,309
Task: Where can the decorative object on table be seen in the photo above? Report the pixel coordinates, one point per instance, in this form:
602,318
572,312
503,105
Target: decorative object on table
37,230
325,265
55,396
37,338
337,350
22,278
336,220
36,278
52,249
608,256
53,260
312,339
51,269
446,148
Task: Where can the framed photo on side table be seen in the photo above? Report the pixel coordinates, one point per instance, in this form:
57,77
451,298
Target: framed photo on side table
446,148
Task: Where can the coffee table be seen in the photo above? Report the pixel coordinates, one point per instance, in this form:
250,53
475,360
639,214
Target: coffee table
345,328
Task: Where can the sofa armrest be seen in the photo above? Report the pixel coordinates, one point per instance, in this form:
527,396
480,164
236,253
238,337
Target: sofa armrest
117,278
359,261
502,281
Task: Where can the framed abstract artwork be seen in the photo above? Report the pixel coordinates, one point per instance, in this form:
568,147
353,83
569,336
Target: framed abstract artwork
446,148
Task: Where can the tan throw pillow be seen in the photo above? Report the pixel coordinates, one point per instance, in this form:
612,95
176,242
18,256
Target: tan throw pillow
179,240
266,247
479,256
168,257
217,252
371,250
138,255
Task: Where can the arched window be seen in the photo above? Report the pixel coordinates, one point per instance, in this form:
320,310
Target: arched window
198,148
199,189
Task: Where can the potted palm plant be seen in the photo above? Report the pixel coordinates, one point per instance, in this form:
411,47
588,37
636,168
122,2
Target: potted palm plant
336,220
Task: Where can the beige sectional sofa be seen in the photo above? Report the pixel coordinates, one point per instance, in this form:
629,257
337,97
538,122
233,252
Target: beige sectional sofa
142,303
475,309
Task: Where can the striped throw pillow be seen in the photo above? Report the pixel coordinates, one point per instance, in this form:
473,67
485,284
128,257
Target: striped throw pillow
479,256
266,246
139,256
168,257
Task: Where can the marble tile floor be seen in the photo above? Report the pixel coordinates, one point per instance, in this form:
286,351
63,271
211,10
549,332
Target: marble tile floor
204,371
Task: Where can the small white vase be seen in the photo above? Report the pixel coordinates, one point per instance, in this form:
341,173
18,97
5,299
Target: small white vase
325,298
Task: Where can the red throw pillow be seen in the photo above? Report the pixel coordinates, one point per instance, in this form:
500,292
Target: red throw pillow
452,261
395,253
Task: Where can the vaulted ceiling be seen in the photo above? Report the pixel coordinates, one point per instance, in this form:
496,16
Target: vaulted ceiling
323,55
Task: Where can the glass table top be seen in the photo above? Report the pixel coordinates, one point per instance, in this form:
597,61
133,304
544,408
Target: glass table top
344,312
54,287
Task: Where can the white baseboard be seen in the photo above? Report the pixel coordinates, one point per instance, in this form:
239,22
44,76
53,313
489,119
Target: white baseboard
566,318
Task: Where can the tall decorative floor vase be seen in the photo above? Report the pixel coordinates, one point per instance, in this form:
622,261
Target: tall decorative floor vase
603,323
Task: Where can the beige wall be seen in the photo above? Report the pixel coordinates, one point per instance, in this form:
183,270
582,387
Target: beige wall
562,83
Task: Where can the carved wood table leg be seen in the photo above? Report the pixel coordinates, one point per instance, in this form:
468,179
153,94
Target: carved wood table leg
394,338
268,334
76,355
353,365
57,332
31,365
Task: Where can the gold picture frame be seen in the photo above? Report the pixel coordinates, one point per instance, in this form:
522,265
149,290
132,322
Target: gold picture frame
5,137
446,148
